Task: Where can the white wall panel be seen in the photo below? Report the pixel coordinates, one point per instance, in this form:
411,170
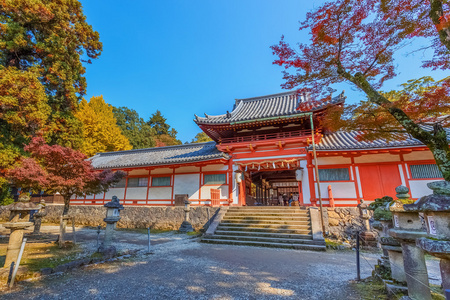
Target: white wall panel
136,193
119,192
339,189
419,188
160,193
187,184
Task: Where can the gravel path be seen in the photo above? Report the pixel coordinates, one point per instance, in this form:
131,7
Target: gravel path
182,268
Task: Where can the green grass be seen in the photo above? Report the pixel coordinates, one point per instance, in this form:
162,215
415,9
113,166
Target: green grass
370,288
49,256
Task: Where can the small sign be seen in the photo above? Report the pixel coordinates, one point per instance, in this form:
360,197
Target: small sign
396,224
431,225
116,212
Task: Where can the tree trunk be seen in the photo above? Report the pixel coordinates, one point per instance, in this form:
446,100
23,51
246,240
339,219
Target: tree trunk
66,204
63,221
439,20
436,141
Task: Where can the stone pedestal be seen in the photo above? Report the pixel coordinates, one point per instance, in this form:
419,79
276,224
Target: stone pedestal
408,228
18,221
186,226
395,255
368,236
112,217
42,212
436,210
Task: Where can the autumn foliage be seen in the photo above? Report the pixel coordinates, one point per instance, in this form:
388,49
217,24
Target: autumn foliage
57,169
354,41
100,130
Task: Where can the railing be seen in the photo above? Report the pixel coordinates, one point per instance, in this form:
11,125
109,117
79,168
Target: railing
267,136
215,197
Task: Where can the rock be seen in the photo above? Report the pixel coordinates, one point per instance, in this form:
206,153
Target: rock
333,222
109,252
333,215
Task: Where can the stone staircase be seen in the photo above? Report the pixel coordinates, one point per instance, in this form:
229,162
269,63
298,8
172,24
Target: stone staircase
266,226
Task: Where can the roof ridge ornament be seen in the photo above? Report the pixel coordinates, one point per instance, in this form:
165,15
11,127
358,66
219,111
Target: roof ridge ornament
228,114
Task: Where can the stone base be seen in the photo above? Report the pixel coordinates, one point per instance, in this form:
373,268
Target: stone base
186,227
368,239
393,288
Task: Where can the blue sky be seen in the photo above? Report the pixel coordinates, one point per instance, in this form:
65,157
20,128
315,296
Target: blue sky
187,57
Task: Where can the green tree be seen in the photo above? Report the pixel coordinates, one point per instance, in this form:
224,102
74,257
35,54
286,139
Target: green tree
201,137
138,132
52,38
165,136
158,122
100,129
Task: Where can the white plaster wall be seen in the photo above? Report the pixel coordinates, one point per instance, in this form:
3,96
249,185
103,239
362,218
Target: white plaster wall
187,184
333,160
371,158
119,192
160,193
162,171
206,191
418,155
305,183
187,169
138,172
99,196
159,202
235,191
419,188
137,193
339,189
216,167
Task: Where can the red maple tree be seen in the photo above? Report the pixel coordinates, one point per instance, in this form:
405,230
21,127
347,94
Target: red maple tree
57,169
354,41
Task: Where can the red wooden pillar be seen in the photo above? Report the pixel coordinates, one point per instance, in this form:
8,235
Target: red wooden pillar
312,190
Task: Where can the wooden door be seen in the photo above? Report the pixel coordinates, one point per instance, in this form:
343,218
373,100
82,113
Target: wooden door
379,180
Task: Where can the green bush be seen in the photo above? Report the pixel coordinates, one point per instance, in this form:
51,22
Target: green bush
5,193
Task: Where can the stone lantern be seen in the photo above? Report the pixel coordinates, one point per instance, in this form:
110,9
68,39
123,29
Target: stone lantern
37,216
18,221
407,228
367,235
186,226
436,209
392,259
113,209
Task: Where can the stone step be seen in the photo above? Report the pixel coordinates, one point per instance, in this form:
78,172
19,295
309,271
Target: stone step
266,244
266,207
296,230
264,234
264,221
267,225
266,239
274,218
269,214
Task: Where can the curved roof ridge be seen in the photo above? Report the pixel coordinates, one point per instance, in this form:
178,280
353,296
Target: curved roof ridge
265,96
163,148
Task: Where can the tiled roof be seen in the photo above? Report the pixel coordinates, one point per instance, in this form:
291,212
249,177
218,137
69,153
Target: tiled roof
347,140
158,156
276,105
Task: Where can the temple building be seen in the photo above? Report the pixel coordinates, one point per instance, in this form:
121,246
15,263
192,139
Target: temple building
264,152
